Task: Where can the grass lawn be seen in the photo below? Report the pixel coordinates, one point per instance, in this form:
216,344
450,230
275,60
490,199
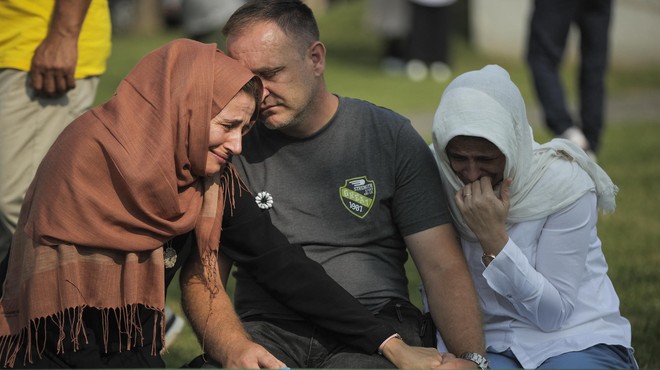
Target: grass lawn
631,236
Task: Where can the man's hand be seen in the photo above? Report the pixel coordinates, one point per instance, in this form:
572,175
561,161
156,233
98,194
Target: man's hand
53,66
54,61
249,355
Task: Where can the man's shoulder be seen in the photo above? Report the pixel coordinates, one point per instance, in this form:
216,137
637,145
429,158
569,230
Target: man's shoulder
357,106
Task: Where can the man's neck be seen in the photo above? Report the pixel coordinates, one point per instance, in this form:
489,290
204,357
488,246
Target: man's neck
317,116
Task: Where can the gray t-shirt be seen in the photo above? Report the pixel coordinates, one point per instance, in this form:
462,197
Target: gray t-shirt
347,195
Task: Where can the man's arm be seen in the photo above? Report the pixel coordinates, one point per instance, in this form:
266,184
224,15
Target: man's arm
215,322
450,291
54,61
227,343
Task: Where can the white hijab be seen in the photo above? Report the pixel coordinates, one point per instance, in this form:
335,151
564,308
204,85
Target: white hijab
487,104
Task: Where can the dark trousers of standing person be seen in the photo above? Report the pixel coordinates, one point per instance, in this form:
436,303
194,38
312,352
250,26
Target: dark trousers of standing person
550,24
429,34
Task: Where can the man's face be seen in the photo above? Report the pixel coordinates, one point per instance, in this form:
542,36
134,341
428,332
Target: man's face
288,74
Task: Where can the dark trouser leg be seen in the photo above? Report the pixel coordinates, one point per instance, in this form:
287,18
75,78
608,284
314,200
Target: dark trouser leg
301,344
429,35
91,352
548,32
406,319
594,23
289,341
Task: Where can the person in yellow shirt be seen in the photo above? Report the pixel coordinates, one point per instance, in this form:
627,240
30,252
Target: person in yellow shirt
52,54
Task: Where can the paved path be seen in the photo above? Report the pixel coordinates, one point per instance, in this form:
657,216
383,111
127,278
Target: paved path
637,107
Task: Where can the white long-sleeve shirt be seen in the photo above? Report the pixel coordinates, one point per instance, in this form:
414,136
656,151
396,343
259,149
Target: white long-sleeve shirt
547,292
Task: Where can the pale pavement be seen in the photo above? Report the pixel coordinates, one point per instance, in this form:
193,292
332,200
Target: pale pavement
633,107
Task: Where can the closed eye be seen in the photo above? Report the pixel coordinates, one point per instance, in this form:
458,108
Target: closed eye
269,74
460,158
488,159
456,157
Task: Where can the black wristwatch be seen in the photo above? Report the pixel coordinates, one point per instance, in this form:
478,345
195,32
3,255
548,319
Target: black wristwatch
478,359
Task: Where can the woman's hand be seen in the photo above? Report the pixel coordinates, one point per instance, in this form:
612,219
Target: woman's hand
404,356
485,213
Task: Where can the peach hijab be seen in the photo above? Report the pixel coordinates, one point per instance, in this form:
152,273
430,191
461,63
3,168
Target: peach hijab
119,182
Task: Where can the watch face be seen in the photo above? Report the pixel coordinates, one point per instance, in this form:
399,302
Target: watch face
487,259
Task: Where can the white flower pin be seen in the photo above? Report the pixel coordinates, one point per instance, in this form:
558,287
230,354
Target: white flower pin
264,200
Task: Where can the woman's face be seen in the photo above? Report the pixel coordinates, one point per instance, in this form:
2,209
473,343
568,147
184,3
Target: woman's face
472,158
227,130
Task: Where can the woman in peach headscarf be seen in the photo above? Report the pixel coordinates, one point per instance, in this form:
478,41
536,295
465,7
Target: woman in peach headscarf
94,247
130,192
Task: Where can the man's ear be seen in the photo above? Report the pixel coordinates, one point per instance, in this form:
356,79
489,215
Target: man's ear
317,56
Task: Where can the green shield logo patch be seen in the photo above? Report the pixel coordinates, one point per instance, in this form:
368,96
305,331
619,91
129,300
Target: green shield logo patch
358,195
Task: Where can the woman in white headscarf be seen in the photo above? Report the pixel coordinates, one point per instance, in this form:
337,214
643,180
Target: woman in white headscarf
527,214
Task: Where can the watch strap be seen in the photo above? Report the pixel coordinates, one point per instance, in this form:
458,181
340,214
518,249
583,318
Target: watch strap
478,359
487,258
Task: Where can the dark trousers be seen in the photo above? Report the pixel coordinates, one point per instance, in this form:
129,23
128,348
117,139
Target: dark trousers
91,352
301,344
429,34
548,32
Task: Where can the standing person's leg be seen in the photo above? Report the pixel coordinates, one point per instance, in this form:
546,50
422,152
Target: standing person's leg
418,42
594,23
428,39
390,20
548,32
29,126
438,58
15,109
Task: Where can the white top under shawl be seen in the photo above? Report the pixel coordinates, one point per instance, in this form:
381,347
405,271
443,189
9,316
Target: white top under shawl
545,293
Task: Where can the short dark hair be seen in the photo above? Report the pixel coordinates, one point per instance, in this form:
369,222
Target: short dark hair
294,17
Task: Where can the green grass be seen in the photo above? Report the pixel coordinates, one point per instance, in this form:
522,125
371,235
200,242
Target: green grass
631,236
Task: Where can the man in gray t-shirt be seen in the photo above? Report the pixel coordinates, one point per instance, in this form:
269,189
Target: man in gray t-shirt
348,194
356,188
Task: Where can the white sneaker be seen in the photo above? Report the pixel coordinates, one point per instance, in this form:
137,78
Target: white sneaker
440,72
416,70
575,135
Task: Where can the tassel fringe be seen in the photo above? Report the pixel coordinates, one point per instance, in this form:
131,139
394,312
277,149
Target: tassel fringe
33,338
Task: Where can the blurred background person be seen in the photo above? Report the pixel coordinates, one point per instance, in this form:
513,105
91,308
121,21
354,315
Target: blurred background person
428,40
52,54
202,20
390,19
549,28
